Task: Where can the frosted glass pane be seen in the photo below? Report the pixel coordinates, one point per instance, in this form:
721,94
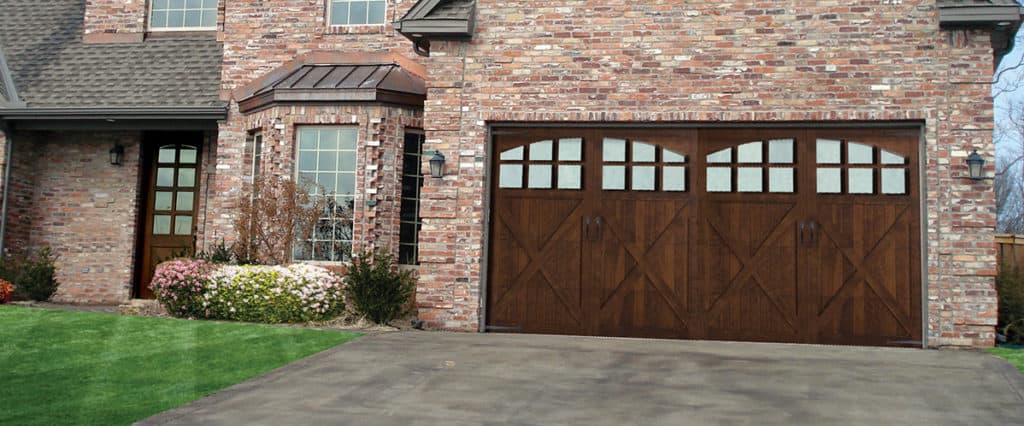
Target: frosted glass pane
186,178
780,180
673,179
830,181
570,177
672,157
723,156
183,225
188,155
828,152
643,152
749,179
167,154
894,181
541,151
161,224
185,200
613,177
719,179
513,154
749,153
510,176
890,158
164,176
643,178
570,149
780,151
163,201
862,181
859,153
614,150
540,176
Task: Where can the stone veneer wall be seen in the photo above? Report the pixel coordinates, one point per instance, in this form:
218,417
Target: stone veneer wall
66,195
742,61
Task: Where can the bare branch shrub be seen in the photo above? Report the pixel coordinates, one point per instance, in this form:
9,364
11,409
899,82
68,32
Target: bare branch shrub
278,213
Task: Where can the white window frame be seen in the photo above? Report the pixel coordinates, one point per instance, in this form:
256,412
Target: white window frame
151,28
329,4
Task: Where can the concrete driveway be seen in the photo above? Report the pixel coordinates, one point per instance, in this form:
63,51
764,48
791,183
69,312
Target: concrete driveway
423,378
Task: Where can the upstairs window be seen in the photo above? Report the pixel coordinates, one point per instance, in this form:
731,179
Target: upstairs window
183,15
356,12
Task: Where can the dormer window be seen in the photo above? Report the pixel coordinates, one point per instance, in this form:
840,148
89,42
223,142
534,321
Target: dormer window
178,15
356,12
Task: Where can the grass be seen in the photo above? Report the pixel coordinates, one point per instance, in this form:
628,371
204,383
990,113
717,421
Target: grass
63,367
1014,355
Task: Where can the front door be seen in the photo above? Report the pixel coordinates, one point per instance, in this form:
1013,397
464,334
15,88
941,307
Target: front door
171,199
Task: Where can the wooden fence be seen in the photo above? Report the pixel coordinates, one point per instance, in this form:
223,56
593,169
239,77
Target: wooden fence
1011,250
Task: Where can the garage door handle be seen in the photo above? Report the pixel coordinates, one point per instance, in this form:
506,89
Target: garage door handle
814,233
586,228
803,227
598,222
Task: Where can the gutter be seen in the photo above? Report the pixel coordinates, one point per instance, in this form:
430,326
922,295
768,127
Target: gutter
7,186
116,113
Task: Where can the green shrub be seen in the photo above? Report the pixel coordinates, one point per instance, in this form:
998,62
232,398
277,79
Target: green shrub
273,294
32,276
376,289
1010,285
219,253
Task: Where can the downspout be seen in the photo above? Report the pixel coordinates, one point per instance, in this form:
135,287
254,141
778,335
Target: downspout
7,186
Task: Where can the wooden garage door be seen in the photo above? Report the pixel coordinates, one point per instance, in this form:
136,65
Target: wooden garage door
762,235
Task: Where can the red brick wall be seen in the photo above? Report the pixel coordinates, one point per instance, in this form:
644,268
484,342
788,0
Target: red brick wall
67,196
116,21
747,61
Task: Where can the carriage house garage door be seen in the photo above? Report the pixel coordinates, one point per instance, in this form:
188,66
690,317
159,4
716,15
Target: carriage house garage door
785,235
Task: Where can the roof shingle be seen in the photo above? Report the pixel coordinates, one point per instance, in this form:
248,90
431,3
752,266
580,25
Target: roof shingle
52,68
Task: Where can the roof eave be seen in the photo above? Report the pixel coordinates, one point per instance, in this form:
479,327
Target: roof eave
315,96
116,113
978,15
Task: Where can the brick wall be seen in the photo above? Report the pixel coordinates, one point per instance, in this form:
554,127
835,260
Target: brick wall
121,21
741,61
67,196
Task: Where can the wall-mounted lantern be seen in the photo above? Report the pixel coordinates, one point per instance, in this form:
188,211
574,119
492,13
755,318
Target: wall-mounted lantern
116,154
975,166
437,165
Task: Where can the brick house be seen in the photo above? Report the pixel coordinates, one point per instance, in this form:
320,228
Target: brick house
782,171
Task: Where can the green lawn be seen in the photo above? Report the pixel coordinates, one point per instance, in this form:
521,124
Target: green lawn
1014,355
60,367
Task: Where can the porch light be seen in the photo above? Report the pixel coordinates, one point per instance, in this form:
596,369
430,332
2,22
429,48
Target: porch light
115,154
975,165
437,165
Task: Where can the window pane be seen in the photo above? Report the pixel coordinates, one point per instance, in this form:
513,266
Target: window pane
327,181
376,14
749,179
328,161
614,150
307,138
161,224
184,202
186,177
357,13
183,225
193,18
346,183
858,153
510,176
894,181
163,201
347,162
328,139
176,18
780,180
570,177
614,177
209,18
194,4
540,176
643,152
348,137
177,4
159,19
890,158
210,4
188,154
164,176
672,157
339,13
673,178
167,154
570,149
862,181
159,4
780,151
307,161
513,154
749,153
302,250
723,156
830,181
719,179
828,152
643,178
541,151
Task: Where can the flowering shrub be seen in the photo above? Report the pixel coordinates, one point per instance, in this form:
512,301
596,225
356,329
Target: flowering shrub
179,286
295,293
6,288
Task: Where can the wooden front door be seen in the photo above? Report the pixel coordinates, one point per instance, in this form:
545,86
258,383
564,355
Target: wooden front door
171,200
782,235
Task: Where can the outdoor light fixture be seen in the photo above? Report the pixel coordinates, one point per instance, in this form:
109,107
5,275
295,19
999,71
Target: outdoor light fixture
115,154
437,165
975,165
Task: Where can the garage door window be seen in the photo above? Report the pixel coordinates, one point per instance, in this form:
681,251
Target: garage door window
855,168
749,169
635,165
546,164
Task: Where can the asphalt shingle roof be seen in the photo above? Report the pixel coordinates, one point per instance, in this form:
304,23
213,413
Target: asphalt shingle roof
52,68
955,3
